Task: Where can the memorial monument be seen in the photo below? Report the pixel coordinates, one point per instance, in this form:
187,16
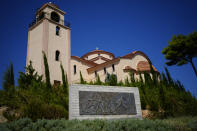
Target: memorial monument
105,102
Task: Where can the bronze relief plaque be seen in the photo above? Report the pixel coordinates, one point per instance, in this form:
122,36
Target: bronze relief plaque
106,103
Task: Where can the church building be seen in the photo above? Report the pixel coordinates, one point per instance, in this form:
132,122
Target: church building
50,33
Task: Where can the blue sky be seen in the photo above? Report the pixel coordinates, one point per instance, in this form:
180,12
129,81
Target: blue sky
117,26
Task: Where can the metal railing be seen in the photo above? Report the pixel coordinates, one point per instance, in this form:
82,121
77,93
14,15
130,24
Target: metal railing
32,23
36,20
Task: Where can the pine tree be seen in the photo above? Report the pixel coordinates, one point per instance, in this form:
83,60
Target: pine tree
182,49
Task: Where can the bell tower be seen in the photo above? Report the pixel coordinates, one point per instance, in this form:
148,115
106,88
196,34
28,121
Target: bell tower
49,32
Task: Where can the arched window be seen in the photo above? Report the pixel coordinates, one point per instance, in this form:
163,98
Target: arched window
55,17
75,69
57,30
57,55
40,16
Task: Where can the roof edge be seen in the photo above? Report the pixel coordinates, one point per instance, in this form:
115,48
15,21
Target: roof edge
92,69
98,51
84,61
51,6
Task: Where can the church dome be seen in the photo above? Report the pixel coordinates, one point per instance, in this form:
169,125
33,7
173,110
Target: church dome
99,52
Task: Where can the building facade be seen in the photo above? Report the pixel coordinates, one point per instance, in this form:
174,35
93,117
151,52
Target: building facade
50,33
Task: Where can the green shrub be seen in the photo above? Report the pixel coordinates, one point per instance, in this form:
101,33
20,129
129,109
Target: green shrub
161,94
193,125
34,99
36,109
179,124
82,81
98,81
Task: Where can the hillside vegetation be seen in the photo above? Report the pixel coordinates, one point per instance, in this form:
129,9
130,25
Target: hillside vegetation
159,93
36,99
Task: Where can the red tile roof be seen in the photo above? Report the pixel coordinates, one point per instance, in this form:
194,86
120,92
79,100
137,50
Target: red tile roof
91,63
128,68
132,54
144,66
100,66
101,57
141,66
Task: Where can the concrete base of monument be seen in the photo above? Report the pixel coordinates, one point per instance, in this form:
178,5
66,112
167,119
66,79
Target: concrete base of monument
103,102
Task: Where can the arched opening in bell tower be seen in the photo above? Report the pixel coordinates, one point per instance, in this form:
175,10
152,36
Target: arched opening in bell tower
55,17
57,30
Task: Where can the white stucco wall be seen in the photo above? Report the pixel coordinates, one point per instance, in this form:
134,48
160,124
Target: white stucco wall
75,78
119,66
128,62
99,61
60,43
34,49
43,37
92,56
106,56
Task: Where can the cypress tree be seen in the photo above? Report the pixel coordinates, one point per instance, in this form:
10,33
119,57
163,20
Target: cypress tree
170,80
81,79
154,74
147,78
64,80
113,80
67,82
127,82
8,77
12,74
47,73
141,79
132,78
107,78
98,81
164,79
